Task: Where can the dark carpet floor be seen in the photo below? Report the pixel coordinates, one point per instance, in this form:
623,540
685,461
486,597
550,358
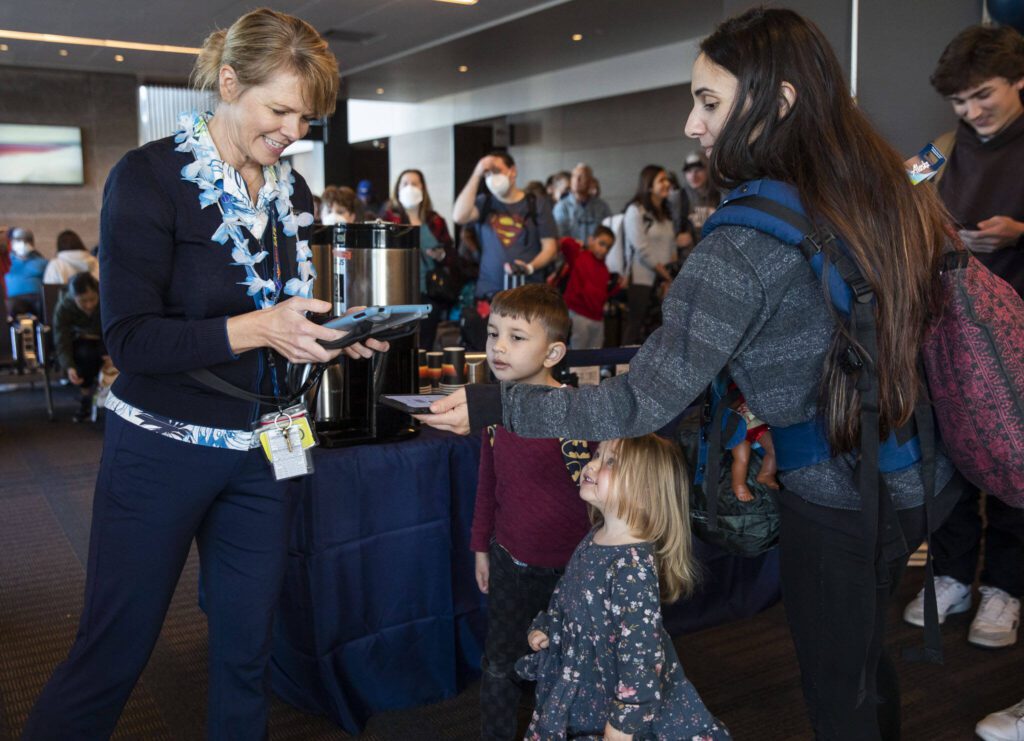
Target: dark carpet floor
745,670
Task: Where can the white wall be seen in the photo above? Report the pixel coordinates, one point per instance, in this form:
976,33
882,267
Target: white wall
432,152
616,136
658,67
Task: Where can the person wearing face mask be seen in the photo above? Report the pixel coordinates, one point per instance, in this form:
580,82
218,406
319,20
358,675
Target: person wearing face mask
516,231
340,206
24,279
410,204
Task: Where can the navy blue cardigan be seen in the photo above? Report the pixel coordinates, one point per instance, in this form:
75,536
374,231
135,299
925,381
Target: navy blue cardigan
168,289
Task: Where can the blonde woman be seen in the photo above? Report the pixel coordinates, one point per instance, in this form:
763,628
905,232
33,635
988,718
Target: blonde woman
205,265
605,665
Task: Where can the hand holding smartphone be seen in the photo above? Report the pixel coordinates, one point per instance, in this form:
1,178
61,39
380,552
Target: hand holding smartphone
411,403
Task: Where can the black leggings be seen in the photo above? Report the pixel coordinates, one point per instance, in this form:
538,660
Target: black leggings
515,595
957,543
825,573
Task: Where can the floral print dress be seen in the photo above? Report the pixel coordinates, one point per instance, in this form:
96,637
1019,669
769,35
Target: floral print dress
609,657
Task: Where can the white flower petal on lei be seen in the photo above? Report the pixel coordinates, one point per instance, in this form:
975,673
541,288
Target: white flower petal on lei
302,250
209,196
296,287
223,232
257,284
288,225
304,218
192,169
242,256
307,271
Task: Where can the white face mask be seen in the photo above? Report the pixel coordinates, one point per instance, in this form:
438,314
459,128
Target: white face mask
410,196
331,218
20,247
498,183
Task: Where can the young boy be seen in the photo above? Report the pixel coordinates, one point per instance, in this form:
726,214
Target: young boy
529,517
77,337
587,290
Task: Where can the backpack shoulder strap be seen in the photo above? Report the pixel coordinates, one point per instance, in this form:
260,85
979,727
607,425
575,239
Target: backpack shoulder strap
485,208
945,144
531,207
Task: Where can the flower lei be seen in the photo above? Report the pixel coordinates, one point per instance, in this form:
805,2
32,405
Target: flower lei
221,184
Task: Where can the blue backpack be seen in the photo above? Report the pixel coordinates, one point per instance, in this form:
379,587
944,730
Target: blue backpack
774,207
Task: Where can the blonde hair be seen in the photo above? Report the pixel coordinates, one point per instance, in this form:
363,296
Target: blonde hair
264,42
652,488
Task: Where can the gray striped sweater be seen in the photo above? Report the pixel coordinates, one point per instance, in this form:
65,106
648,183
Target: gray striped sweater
745,302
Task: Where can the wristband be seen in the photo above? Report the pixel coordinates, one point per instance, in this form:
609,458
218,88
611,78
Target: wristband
529,268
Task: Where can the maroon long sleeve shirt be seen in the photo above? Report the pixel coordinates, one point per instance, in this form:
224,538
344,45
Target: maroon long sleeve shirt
527,501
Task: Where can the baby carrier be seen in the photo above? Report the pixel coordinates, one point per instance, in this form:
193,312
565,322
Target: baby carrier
973,367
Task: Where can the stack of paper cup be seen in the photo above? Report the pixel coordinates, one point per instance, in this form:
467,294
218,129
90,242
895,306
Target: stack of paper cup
424,373
453,369
434,370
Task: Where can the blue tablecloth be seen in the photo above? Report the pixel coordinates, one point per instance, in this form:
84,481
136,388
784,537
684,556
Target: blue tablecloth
380,609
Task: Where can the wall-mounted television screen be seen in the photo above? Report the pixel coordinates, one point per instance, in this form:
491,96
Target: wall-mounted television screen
38,154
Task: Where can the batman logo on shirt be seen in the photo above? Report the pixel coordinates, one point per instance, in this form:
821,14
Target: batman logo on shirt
508,227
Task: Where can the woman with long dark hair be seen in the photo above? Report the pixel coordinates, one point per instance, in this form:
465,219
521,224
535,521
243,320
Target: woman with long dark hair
410,204
770,101
650,246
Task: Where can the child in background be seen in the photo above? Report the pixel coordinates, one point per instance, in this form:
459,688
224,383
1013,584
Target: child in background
78,338
604,664
528,516
586,290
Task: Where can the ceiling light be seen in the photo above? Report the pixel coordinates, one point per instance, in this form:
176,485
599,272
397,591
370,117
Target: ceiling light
63,52
118,57
463,68
4,47
459,2
380,91
577,37
83,41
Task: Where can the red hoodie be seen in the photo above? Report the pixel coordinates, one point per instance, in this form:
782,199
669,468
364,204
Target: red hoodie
587,290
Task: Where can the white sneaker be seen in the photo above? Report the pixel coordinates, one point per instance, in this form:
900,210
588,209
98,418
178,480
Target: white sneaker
995,625
1006,725
951,597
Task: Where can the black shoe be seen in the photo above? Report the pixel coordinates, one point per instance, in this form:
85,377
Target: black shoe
84,413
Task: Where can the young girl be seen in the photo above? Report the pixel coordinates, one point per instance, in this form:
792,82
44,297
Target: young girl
604,665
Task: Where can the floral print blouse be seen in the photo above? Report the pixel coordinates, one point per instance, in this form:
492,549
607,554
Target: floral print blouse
610,659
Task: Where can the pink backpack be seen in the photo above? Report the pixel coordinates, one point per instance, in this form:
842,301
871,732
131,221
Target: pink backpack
974,358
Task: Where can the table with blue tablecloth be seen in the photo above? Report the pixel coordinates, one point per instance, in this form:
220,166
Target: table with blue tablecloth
380,609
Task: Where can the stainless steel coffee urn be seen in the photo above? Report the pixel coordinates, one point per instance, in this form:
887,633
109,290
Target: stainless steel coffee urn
368,264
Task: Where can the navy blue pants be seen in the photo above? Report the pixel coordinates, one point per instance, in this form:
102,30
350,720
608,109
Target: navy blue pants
153,495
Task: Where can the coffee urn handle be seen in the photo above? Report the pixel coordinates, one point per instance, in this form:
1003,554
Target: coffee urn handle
339,281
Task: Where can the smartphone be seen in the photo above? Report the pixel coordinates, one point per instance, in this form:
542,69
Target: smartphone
376,321
411,403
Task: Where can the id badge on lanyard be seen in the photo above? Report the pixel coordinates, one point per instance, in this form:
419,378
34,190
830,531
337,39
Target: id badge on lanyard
287,439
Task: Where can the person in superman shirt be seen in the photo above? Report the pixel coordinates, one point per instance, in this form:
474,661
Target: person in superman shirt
516,230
